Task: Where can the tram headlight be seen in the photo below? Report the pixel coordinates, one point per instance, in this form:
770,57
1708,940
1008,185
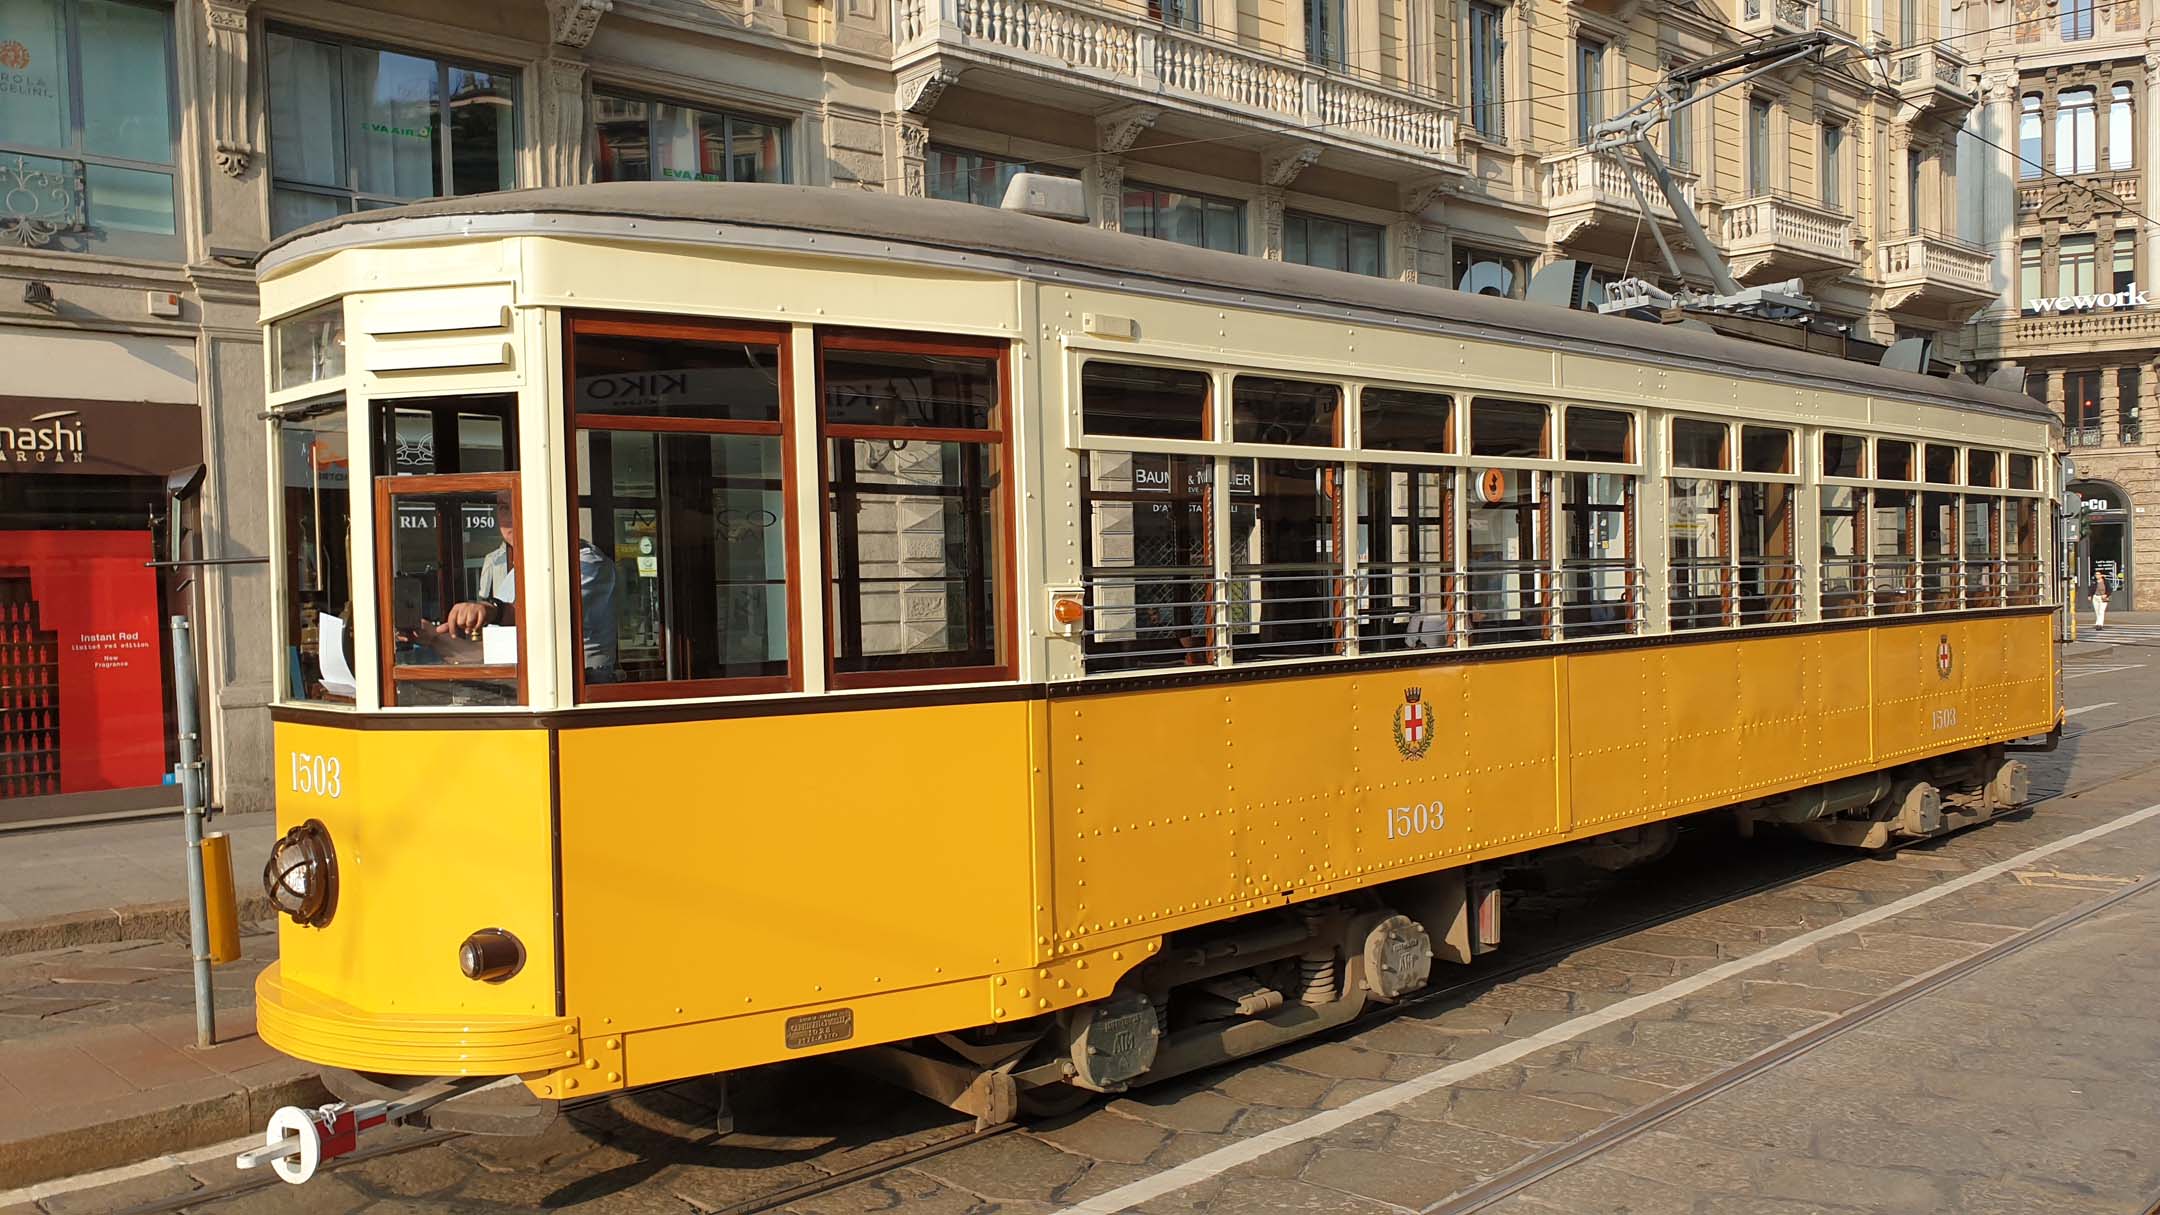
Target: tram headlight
301,876
491,955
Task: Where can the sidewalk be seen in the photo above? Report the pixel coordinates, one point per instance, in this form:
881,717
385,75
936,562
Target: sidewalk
98,1064
117,881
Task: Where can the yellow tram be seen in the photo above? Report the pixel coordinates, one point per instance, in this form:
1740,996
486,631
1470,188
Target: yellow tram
721,624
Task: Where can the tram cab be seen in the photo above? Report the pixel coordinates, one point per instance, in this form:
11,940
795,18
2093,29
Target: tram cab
722,624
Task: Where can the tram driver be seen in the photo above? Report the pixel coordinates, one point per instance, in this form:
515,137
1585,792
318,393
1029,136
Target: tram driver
494,603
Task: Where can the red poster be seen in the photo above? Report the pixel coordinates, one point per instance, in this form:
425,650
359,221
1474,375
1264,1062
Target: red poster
82,681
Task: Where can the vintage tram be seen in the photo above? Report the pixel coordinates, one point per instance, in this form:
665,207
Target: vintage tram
720,624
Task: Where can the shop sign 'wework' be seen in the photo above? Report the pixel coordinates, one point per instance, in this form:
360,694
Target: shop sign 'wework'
2133,298
125,438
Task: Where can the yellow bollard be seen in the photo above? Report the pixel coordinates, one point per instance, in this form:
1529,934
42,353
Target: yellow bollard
218,899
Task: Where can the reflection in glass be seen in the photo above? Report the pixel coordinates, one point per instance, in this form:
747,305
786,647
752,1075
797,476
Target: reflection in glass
1695,529
1844,559
1146,560
1597,570
308,347
1844,455
876,388
1285,593
1507,550
1143,402
1405,539
1769,578
1891,550
914,554
454,593
1393,419
1507,428
1983,552
624,376
1938,549
1293,412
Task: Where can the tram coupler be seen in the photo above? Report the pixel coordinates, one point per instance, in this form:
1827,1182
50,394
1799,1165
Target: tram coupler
298,1140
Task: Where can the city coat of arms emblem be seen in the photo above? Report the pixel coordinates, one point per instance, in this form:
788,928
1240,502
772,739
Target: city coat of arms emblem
1413,725
1943,656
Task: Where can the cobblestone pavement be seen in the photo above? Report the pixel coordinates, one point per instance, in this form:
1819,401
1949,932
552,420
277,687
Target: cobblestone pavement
2030,1085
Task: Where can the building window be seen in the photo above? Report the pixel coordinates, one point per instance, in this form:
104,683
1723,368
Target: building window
1680,139
2074,132
2029,146
2077,20
1488,70
2129,418
1334,244
1485,272
1589,87
1908,21
977,177
641,140
2029,285
1188,219
353,128
2081,408
86,126
1324,42
2074,265
1184,13
1833,166
1831,14
2122,140
2125,259
1914,168
1758,149
916,517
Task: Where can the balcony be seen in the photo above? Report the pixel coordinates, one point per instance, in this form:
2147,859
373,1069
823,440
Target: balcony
1933,78
1761,18
1771,237
2079,332
41,200
1077,56
1936,275
1588,198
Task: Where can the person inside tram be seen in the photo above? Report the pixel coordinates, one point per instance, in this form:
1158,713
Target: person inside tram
494,603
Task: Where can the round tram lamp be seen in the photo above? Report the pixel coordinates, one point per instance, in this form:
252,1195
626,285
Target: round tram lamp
301,875
491,955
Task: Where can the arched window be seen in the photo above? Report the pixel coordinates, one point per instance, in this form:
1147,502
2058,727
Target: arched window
2075,132
2029,147
2122,143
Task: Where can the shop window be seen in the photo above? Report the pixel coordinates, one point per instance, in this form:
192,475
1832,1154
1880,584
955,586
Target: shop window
1406,574
1508,582
1840,524
87,126
1334,244
957,175
1844,455
1891,561
916,513
682,540
1285,597
354,127
1147,558
1394,419
1184,218
1143,402
1297,413
638,139
314,463
1508,428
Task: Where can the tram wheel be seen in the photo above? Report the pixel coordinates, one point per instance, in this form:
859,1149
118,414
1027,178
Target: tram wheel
1053,1100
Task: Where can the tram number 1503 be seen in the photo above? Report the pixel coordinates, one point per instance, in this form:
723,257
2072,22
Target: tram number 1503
1406,821
317,774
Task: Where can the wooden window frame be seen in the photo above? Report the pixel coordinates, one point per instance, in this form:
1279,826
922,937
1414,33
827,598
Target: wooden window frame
387,490
682,329
998,437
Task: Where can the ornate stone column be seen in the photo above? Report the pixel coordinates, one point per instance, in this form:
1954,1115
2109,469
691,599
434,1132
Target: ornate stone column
1406,236
1115,134
912,103
229,125
2110,401
1277,170
564,157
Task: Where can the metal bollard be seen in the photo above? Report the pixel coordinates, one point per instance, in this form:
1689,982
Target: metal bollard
220,905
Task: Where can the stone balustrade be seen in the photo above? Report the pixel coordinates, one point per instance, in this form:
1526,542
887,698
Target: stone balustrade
1772,223
1929,258
1582,178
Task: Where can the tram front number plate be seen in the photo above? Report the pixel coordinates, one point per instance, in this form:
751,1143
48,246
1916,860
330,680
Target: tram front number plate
820,1029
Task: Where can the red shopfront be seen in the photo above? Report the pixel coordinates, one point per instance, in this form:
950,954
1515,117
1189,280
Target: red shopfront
85,685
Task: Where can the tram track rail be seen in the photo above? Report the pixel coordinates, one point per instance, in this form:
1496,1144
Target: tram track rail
1514,968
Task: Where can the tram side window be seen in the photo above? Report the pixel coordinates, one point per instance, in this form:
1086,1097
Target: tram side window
1941,573
1699,525
1598,579
916,514
1293,412
1506,573
314,458
1147,544
1406,558
1395,419
1842,526
2023,471
1891,562
1285,597
1844,455
682,544
1983,574
1893,460
2023,545
1769,577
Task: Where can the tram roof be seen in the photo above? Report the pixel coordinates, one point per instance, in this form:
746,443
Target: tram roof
1029,246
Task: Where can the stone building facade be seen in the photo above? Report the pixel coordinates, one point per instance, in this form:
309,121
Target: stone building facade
2072,90
150,148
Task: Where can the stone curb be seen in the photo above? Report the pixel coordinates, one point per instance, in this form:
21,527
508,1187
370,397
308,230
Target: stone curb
117,1135
135,922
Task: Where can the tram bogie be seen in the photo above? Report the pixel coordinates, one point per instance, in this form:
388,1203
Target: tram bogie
738,624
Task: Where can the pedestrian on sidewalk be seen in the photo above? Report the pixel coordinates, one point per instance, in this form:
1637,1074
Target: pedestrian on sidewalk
2103,587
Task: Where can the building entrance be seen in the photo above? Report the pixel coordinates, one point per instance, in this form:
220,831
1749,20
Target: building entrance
2104,545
